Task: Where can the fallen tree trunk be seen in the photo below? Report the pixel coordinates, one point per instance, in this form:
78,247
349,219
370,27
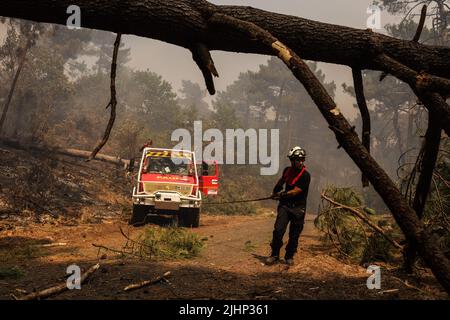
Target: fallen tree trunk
68,152
184,22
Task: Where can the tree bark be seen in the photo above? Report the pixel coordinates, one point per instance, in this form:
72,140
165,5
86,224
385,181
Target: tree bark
67,152
365,115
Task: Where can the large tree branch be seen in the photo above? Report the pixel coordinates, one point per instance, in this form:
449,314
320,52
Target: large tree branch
184,22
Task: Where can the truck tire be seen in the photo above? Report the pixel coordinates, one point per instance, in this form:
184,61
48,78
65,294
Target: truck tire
139,214
189,218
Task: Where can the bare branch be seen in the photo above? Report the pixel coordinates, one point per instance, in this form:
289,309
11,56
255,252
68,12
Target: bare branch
423,15
365,115
202,57
147,282
112,103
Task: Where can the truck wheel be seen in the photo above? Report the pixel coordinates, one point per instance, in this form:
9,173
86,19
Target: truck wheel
189,218
139,215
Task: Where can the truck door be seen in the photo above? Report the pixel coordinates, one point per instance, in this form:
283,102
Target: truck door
209,178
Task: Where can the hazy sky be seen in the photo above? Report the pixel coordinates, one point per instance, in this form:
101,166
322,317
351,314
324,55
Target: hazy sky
175,63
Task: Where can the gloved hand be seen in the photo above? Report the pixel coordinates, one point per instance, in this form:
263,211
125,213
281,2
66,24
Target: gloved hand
283,194
279,195
275,196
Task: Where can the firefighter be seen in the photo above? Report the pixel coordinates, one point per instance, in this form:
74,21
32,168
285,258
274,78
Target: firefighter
292,206
147,144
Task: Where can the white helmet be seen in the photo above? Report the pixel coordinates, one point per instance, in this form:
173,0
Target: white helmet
297,152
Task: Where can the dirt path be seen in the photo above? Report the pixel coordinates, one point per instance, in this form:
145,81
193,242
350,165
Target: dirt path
229,267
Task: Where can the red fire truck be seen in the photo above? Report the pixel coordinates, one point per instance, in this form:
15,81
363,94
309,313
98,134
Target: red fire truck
169,183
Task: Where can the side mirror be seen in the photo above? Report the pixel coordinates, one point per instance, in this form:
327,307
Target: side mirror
205,169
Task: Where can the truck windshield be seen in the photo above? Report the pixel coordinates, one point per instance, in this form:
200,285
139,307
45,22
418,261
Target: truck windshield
167,165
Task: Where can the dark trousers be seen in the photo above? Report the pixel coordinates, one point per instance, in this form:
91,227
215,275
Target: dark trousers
286,214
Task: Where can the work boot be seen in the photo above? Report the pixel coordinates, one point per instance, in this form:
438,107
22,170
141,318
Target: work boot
289,261
272,260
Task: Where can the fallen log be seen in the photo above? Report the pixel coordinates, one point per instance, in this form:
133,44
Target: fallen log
59,288
147,282
66,151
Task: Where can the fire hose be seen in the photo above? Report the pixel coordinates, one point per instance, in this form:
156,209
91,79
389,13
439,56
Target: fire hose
239,201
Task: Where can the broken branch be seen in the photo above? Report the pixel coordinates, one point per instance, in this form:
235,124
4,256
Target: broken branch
365,115
423,15
112,103
59,288
147,282
360,215
204,61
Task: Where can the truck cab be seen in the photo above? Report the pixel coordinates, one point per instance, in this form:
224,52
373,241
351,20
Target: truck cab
170,182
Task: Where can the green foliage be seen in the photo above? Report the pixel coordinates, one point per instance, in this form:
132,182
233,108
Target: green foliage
353,239
170,243
377,248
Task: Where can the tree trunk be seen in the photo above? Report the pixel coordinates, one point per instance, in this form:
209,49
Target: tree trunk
22,60
429,155
66,151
